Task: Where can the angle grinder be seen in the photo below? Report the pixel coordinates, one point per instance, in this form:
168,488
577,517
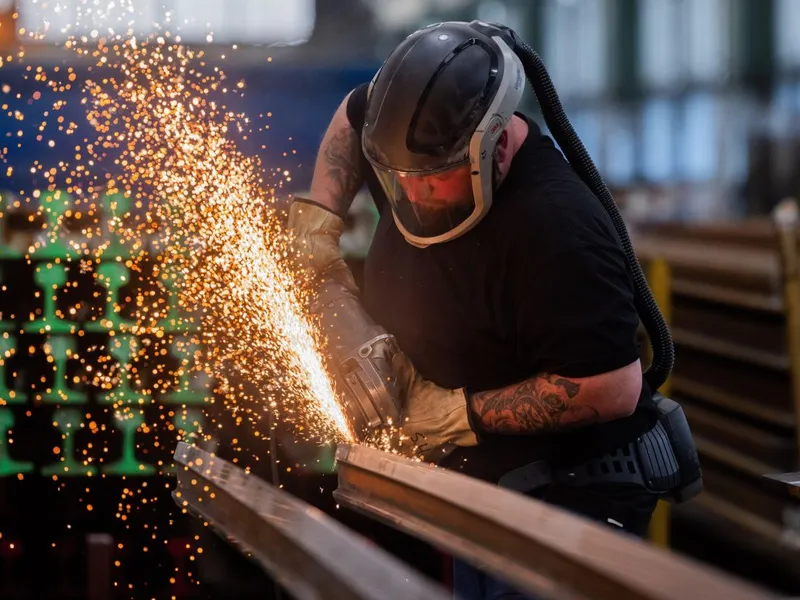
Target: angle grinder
360,356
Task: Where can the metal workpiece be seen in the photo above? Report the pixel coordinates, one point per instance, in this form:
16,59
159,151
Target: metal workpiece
361,355
535,547
309,553
787,483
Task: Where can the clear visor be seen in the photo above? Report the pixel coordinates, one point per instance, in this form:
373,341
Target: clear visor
430,204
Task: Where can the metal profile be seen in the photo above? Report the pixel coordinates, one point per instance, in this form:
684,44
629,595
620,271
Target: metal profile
537,548
310,554
786,483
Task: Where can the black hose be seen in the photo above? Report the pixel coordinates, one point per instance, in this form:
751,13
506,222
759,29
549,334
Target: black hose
576,154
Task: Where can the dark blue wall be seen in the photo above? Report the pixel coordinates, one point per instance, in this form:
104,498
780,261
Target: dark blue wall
302,100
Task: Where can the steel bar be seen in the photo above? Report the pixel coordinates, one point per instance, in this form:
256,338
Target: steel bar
310,554
539,549
787,483
741,267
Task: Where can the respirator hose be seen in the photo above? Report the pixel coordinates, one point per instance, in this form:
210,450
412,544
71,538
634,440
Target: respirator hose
576,154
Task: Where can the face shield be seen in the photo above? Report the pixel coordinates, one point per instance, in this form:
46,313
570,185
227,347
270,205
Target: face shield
428,205
440,183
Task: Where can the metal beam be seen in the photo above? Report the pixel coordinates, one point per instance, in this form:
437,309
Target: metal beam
787,483
535,547
310,554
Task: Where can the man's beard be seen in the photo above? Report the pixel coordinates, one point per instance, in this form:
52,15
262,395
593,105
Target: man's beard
442,218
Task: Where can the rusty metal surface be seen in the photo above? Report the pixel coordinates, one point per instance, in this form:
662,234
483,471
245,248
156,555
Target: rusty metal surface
308,553
538,548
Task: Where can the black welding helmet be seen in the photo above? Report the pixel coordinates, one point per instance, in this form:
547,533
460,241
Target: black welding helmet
435,111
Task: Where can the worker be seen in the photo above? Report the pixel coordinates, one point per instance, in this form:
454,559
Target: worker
497,270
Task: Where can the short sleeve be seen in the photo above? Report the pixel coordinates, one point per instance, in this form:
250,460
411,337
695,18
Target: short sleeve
573,298
356,113
357,107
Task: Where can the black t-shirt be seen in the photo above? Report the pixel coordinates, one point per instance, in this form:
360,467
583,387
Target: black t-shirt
539,285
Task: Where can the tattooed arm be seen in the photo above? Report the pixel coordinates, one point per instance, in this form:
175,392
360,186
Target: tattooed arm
338,173
550,402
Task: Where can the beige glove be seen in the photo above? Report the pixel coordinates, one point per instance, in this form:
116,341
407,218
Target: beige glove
316,232
434,420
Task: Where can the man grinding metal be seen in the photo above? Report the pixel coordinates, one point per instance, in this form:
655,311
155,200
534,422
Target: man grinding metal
504,273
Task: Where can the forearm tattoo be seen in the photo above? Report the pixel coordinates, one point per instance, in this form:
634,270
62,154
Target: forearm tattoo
343,161
544,403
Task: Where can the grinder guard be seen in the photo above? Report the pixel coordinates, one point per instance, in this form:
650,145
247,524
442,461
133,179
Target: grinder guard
361,355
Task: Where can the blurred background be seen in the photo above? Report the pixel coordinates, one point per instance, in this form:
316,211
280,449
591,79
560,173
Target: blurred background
689,109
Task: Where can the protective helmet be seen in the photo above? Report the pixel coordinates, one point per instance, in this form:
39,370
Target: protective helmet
434,112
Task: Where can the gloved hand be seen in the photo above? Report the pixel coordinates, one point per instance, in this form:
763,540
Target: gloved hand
434,419
361,354
315,239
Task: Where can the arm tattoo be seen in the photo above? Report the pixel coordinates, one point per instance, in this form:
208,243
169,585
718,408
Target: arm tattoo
543,403
342,159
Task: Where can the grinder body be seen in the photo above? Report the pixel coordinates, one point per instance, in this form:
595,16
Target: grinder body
360,356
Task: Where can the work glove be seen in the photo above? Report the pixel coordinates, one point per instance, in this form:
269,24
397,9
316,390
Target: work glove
360,353
435,420
315,233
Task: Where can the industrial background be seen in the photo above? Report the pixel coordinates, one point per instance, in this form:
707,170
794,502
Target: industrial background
690,110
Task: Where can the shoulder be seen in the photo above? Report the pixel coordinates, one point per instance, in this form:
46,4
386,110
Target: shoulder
547,208
357,106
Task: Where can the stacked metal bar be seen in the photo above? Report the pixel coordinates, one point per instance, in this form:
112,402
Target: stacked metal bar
735,320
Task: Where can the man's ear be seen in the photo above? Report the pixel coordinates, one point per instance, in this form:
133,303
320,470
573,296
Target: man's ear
501,149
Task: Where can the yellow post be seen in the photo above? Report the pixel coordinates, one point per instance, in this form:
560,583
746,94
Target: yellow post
660,278
786,219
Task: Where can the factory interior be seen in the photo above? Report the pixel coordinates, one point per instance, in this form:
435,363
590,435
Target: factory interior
690,111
